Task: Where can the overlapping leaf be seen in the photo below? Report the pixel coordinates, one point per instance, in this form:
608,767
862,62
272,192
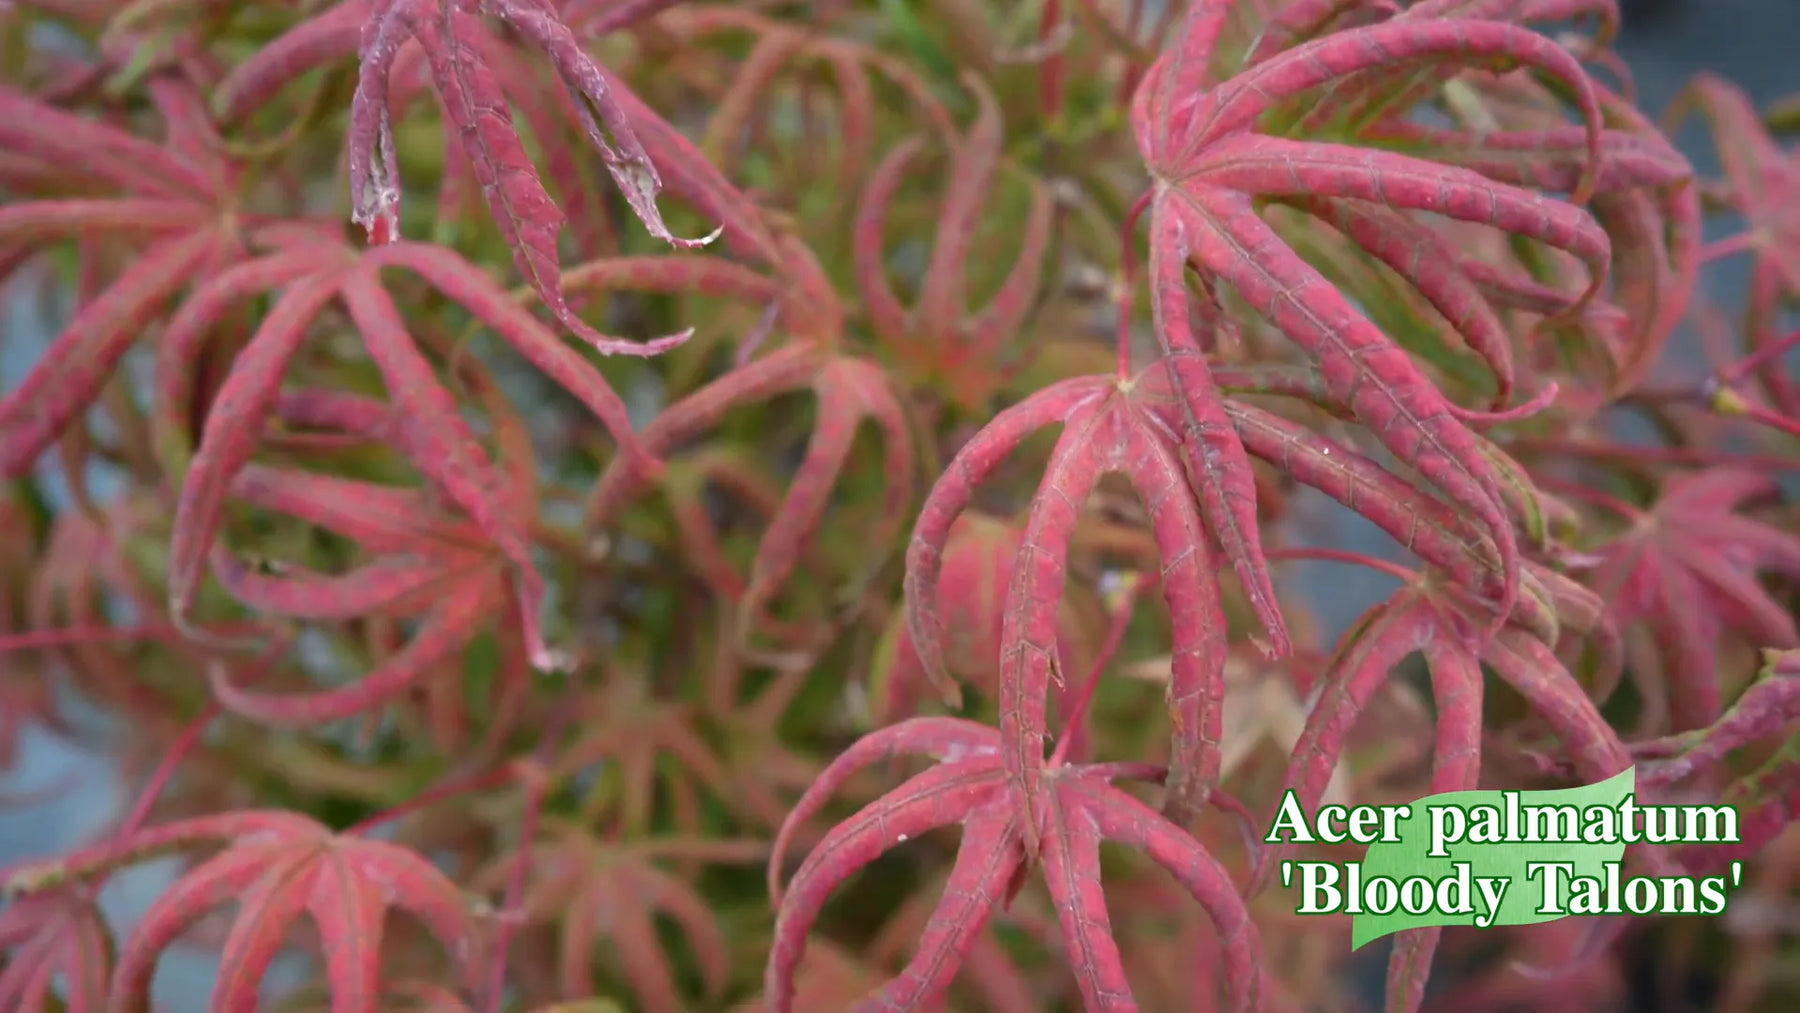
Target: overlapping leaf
1212,163
433,436
84,570
428,561
961,348
752,95
431,564
1108,425
1768,706
978,559
635,752
475,107
1512,130
849,390
27,695
177,195
1761,187
993,977
1766,799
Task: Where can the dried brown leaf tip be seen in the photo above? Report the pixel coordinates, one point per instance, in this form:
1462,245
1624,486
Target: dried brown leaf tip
476,108
969,786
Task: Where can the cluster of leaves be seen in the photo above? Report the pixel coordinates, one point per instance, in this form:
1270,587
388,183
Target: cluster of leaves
508,592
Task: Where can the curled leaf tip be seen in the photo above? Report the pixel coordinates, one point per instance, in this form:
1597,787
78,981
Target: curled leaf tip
694,244
640,185
639,349
1272,649
553,661
380,221
949,693
1538,403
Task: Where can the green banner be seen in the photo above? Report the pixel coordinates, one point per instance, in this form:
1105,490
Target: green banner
1500,853
1487,858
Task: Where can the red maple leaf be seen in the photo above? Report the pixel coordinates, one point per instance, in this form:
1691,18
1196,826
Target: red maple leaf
1767,798
635,750
168,193
429,564
313,272
1643,196
1108,425
428,561
849,390
1762,185
977,565
753,87
1212,163
609,894
959,349
85,567
1687,571
1424,618
970,786
689,484
276,866
476,108
1763,179
55,935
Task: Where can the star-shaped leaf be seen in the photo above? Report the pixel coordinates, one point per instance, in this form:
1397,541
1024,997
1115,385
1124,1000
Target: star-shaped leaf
969,785
1687,571
1212,165
278,866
